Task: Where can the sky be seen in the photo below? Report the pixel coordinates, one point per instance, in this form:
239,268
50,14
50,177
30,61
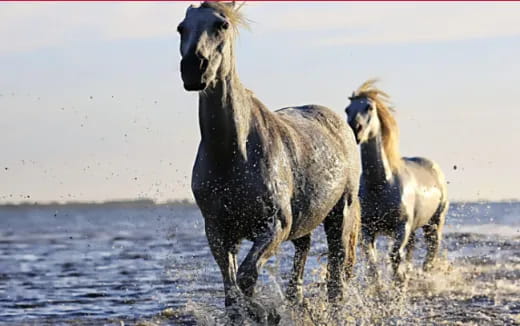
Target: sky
93,109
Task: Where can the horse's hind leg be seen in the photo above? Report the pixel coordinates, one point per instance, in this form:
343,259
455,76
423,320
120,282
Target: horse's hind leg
295,289
342,228
352,213
433,236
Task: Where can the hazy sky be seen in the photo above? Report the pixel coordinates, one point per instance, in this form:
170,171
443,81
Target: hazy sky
92,105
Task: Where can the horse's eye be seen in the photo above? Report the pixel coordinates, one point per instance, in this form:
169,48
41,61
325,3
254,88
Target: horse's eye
369,107
180,28
221,25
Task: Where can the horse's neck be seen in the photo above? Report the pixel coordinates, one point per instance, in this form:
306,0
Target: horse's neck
224,117
376,168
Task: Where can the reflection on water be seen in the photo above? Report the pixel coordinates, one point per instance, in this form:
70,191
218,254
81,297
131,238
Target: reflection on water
150,264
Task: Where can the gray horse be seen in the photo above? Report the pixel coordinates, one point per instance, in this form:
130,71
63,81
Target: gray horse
264,176
398,195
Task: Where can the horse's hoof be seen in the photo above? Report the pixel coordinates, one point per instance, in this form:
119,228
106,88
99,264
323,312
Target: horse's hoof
234,317
262,315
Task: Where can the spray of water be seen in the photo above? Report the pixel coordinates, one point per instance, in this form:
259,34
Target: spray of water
363,303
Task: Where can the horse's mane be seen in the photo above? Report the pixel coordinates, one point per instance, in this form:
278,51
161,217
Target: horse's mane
389,129
230,11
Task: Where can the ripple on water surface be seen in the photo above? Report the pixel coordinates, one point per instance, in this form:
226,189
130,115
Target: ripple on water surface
104,265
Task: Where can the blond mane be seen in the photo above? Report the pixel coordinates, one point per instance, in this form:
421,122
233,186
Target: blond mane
230,11
389,129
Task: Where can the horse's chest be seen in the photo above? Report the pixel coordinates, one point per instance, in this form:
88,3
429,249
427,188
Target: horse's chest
238,193
230,193
381,208
239,210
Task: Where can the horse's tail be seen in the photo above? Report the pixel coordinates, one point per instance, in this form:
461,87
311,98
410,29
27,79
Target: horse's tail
354,216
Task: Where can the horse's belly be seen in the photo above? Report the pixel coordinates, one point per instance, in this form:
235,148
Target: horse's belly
305,224
311,212
427,203
381,215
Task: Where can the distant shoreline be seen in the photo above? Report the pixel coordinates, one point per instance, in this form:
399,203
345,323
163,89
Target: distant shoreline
177,203
108,203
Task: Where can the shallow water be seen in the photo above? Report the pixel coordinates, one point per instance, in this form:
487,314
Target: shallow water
149,264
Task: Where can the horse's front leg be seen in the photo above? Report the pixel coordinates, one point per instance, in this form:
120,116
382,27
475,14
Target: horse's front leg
224,250
295,288
410,248
398,251
264,246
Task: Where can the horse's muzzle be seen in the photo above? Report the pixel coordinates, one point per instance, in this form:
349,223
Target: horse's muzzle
192,72
195,87
356,128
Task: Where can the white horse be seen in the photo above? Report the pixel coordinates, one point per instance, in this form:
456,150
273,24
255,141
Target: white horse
264,176
398,195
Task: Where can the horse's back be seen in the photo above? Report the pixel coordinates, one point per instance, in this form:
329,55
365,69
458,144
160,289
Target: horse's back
327,162
426,171
322,127
430,190
312,116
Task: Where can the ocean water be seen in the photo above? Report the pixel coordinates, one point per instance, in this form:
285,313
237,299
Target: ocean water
146,264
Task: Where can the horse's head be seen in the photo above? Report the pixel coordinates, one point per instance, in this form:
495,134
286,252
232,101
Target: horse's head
206,39
362,118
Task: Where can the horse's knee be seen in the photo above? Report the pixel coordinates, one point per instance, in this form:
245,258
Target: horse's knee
263,247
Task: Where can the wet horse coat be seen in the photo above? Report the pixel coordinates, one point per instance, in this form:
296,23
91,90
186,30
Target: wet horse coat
398,195
264,176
